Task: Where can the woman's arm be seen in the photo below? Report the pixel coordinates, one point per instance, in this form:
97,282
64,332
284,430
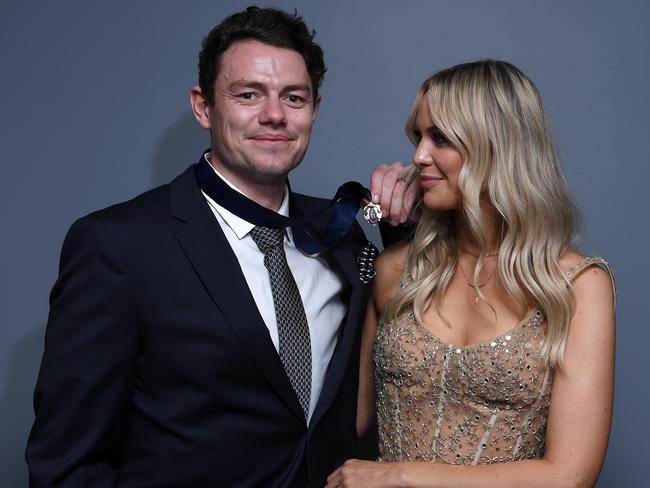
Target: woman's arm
579,416
366,400
389,266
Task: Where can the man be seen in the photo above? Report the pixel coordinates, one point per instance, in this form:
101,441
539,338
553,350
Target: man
166,358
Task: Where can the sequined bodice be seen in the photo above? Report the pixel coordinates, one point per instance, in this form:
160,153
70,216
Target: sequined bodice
477,404
463,405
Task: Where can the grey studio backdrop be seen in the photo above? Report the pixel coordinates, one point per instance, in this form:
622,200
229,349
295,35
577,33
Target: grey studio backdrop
94,110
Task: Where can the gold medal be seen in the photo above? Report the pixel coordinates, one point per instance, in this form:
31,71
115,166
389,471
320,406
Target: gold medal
372,213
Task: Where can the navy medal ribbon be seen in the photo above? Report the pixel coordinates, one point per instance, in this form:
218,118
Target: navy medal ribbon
342,210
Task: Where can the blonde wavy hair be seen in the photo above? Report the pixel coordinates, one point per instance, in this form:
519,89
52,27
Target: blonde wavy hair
493,115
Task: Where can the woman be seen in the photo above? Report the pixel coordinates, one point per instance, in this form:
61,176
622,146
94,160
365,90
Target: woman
489,339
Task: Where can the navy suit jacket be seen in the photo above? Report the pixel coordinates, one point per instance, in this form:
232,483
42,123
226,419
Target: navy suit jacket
158,370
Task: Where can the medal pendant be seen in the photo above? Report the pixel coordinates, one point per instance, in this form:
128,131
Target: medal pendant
372,213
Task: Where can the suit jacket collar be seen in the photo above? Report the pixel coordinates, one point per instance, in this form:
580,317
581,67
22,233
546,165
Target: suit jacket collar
212,258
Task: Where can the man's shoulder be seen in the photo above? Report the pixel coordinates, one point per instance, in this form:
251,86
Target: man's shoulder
147,209
141,206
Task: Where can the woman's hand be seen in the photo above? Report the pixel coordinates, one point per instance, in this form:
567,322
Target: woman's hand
395,188
366,474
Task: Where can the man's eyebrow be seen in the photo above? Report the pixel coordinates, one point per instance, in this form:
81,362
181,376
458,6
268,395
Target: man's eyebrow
246,84
297,87
256,85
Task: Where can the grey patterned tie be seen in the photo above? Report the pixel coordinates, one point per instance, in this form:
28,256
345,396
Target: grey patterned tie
295,345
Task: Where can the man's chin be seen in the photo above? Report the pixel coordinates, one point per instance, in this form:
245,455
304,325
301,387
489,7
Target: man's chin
271,174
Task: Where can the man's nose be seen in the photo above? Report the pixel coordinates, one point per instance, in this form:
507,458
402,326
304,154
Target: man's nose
272,112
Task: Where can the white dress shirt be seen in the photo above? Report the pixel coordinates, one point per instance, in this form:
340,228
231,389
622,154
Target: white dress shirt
319,287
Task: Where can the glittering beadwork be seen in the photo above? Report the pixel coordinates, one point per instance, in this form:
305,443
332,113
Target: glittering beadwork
463,405
478,404
366,262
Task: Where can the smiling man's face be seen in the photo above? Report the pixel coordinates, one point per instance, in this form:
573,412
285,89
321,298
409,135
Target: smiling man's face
262,115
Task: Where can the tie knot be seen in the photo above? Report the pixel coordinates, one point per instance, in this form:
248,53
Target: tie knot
266,239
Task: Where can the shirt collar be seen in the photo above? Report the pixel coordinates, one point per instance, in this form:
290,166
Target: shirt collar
239,226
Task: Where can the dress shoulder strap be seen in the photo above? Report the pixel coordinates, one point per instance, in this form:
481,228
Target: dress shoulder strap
571,274
406,276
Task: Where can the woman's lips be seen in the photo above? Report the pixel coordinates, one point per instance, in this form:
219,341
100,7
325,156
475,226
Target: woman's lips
427,182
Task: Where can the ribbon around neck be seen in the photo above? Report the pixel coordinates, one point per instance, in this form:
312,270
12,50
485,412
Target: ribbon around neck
342,210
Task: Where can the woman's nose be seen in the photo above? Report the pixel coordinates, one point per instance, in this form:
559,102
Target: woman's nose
423,155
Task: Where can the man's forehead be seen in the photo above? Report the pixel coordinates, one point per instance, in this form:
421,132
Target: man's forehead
253,52
250,61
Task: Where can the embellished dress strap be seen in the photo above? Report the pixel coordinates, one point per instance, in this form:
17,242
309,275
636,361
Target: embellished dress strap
406,276
406,279
584,264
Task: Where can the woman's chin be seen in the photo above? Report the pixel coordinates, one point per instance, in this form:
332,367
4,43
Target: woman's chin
438,203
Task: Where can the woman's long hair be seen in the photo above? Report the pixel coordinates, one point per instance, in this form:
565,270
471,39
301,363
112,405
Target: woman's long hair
492,114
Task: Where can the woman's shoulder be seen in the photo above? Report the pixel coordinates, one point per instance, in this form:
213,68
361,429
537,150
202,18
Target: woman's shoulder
393,257
590,277
390,270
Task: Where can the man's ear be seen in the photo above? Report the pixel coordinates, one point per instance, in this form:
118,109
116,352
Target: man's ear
200,107
316,107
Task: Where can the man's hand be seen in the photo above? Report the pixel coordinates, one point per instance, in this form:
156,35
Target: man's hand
394,187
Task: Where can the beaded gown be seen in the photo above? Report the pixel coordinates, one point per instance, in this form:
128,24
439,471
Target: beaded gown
477,404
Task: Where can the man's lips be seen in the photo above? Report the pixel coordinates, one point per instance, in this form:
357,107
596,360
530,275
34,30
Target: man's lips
272,138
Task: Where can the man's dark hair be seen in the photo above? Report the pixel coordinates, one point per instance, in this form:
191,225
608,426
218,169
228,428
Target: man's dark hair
268,25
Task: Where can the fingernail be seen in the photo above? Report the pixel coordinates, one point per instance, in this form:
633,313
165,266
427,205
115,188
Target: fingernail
376,198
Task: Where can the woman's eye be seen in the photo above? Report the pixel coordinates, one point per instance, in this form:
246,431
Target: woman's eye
439,138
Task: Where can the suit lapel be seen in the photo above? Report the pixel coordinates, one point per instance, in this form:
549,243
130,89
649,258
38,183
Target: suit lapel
344,256
213,260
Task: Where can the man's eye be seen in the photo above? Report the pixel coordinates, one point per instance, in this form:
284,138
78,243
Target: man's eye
247,95
295,99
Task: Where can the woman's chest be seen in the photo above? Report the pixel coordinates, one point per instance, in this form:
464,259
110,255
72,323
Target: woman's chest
504,372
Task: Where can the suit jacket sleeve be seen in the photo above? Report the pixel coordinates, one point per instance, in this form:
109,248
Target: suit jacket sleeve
85,383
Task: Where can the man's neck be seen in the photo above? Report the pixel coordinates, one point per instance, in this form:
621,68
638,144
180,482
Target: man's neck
267,195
